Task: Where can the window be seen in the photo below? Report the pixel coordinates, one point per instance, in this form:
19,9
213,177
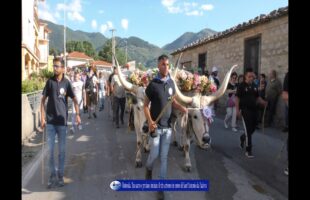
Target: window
202,61
252,53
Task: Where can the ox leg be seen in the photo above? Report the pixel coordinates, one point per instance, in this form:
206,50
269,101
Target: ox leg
174,132
138,153
146,144
188,164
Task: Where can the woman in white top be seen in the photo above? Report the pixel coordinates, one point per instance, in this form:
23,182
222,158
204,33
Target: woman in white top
102,88
77,86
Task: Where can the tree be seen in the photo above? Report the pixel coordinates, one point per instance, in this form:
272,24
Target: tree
88,49
53,52
85,47
106,53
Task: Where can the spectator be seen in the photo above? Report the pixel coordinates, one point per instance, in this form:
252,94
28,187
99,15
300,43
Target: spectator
273,91
231,106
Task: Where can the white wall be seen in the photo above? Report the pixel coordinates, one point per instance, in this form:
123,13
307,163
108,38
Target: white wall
43,53
71,63
28,32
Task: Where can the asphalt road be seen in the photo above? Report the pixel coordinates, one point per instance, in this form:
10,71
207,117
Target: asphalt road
100,153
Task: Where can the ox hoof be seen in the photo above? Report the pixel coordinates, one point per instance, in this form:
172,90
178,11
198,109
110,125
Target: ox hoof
180,148
175,143
138,164
146,150
187,168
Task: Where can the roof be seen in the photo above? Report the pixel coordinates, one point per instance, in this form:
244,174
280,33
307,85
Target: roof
102,63
238,28
80,65
80,55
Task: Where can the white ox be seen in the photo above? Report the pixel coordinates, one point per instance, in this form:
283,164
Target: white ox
195,123
139,116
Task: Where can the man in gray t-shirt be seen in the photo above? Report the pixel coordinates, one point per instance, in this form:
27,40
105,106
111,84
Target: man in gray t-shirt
119,98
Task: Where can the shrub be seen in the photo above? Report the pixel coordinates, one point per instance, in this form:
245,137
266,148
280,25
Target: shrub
45,74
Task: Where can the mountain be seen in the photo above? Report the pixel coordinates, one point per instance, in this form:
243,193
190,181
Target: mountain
57,36
187,38
139,50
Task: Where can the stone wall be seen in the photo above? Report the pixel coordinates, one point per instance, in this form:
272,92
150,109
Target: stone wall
229,50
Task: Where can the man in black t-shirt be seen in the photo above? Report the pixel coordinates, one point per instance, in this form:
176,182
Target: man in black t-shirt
57,89
285,98
246,104
158,93
110,95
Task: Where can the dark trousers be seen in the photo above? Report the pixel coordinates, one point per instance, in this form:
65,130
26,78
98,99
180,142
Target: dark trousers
271,110
249,119
119,103
286,115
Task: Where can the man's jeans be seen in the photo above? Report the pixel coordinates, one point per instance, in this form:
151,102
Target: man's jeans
61,132
101,99
160,145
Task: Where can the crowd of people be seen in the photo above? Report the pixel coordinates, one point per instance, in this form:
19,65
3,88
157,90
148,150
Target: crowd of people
247,97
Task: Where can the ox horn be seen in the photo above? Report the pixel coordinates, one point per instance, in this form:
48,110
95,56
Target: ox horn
120,75
174,73
180,96
220,92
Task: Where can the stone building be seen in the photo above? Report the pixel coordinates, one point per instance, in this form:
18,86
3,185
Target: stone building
260,43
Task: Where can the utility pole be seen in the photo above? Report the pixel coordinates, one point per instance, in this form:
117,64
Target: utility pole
65,59
126,51
113,46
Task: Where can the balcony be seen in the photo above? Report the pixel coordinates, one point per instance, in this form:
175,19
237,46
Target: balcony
37,52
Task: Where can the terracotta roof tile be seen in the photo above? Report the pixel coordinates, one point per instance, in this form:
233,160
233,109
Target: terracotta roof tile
257,20
76,54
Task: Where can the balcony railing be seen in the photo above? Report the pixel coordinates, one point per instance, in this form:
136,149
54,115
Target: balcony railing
37,52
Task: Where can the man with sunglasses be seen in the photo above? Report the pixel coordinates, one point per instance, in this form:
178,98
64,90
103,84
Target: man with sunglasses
57,89
246,106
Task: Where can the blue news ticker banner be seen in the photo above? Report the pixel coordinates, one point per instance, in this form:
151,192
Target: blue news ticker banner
160,185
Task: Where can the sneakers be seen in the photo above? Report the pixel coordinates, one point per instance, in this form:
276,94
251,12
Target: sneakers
286,171
234,129
249,154
242,142
61,182
94,114
51,181
71,131
160,195
285,130
117,126
148,174
225,124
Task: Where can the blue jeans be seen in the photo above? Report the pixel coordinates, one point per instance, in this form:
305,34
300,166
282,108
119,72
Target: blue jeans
101,99
61,132
159,145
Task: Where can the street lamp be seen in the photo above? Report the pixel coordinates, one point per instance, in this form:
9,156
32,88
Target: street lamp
113,46
65,63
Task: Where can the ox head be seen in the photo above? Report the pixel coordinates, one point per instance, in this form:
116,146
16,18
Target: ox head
124,82
138,91
199,111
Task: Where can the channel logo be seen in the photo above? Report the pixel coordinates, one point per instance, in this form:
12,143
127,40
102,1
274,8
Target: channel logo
115,185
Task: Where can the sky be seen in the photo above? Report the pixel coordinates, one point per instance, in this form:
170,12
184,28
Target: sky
158,22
